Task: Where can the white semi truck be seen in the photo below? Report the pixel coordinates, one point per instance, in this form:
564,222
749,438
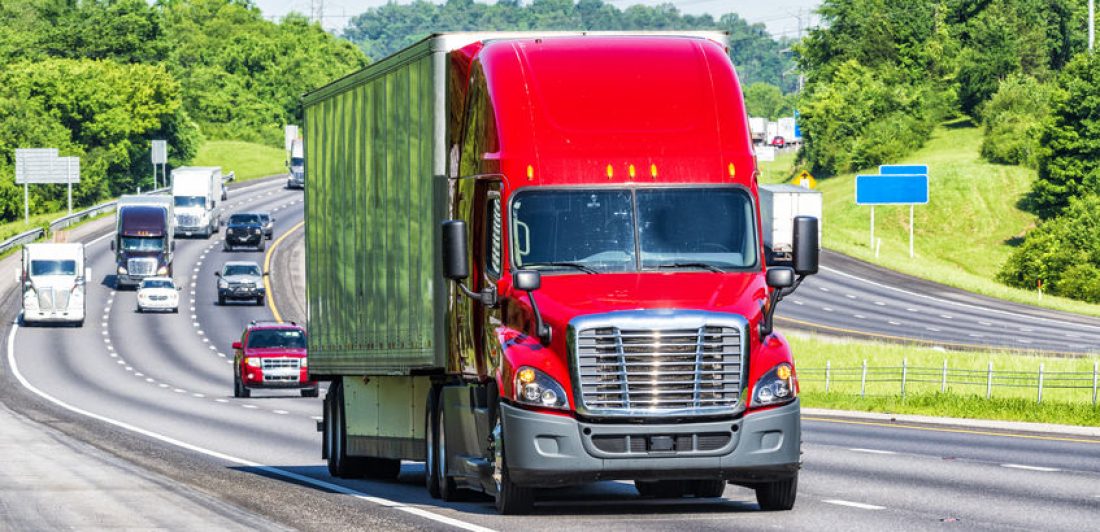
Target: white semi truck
295,158
779,206
54,280
197,195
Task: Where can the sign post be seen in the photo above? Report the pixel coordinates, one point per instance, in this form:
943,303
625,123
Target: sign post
894,185
160,156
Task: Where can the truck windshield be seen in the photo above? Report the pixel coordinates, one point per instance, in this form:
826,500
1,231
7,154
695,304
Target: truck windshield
614,230
142,243
53,267
287,338
297,162
190,201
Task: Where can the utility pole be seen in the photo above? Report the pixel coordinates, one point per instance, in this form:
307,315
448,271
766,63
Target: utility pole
801,77
1092,24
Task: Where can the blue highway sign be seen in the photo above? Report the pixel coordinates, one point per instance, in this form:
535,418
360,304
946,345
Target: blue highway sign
892,189
903,169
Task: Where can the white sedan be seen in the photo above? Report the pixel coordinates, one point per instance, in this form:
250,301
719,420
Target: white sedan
158,293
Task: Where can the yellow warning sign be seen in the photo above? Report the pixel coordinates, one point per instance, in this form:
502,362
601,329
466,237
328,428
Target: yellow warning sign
805,179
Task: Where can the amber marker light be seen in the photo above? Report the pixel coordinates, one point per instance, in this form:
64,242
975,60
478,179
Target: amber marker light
527,376
530,173
631,170
610,172
733,171
783,372
653,170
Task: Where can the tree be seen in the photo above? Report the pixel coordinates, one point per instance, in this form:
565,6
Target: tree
766,100
1069,162
1063,253
1013,121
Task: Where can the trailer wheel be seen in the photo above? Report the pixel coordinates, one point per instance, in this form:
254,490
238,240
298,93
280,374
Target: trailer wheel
431,424
339,463
448,491
708,489
778,495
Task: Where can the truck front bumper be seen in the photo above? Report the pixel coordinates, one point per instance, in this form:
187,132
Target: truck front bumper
548,450
56,316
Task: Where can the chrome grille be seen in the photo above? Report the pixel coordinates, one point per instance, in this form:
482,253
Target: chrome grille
187,220
45,299
61,298
142,266
660,367
280,363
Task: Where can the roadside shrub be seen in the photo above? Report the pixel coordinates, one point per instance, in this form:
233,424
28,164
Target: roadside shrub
1013,119
1063,252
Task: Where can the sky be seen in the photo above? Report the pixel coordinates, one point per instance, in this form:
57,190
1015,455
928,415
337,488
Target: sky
780,16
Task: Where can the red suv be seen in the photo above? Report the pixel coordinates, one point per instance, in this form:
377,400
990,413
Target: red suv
271,355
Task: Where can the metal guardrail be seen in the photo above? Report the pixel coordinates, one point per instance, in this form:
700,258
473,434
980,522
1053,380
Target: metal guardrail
22,238
945,378
102,208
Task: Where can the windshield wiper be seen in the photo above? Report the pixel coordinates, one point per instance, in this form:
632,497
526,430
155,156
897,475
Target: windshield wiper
574,265
704,265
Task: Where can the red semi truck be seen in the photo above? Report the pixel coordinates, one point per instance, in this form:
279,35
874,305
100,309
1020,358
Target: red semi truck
535,260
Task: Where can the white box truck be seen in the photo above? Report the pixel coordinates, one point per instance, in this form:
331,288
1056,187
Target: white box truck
53,279
779,205
196,195
788,130
758,127
296,165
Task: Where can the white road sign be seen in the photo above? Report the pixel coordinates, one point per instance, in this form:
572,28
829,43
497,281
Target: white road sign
160,152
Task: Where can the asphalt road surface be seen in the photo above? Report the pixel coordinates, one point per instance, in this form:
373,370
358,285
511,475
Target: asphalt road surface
849,297
156,390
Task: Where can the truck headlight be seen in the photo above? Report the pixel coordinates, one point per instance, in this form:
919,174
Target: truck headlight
122,270
163,270
228,230
223,284
256,230
533,387
253,362
775,387
30,299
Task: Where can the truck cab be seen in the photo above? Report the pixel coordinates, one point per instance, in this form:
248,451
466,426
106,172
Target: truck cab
196,196
296,165
143,241
54,281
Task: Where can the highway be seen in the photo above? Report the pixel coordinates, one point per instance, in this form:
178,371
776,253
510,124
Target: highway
156,391
849,297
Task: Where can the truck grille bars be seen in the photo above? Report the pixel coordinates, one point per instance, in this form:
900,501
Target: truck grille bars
141,267
646,367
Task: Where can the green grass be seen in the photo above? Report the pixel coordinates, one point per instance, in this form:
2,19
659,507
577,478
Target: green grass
247,159
962,236
923,388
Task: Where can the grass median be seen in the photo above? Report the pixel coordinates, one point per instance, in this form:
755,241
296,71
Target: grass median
1067,393
247,159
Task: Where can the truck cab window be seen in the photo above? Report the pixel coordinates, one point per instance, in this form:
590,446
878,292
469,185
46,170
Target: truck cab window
492,237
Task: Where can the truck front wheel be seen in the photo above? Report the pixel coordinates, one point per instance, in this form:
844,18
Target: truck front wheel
778,495
431,424
510,498
340,465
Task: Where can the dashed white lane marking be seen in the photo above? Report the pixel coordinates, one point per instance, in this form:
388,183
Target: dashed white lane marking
1071,335
221,355
859,316
199,395
221,400
850,504
319,418
894,323
1023,340
880,303
179,390
212,348
975,335
985,323
248,406
139,374
824,289
933,329
1031,468
121,362
228,361
150,380
1025,329
945,316
826,309
162,385
871,451
797,302
912,310
280,412
850,296
114,355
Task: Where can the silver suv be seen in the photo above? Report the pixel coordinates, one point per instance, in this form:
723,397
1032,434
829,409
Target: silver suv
241,280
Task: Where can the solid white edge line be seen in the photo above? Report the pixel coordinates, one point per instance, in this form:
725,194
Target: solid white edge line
419,512
851,504
1031,468
956,303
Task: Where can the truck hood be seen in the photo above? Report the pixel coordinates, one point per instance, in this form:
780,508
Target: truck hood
126,255
563,297
191,211
45,282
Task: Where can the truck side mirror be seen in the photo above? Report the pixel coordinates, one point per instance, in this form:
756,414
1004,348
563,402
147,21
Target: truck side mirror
87,275
236,345
806,246
217,274
112,245
526,280
780,277
173,246
18,276
456,263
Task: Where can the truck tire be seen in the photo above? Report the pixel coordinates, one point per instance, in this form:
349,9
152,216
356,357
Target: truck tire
340,465
311,392
661,489
431,424
221,300
708,489
778,495
511,499
448,491
260,301
261,245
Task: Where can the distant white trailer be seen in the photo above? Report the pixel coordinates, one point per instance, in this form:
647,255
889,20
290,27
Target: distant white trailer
758,129
787,130
779,205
